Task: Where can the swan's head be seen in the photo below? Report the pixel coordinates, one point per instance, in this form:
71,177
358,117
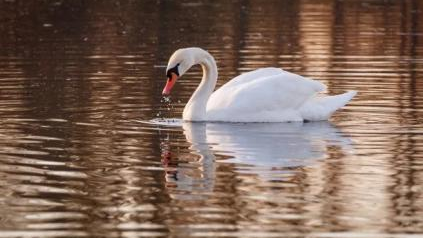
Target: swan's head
178,64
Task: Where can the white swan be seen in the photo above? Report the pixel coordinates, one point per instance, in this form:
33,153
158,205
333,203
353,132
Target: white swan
262,95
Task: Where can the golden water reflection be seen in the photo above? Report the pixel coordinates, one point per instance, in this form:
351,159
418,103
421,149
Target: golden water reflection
77,78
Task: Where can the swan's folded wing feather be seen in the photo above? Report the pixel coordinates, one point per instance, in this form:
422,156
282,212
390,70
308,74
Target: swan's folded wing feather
269,92
252,76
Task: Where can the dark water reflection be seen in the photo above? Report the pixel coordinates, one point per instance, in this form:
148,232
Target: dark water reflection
78,77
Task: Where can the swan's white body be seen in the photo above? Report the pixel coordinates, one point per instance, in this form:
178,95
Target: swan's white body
263,95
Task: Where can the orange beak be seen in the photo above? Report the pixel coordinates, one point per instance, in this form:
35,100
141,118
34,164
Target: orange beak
169,84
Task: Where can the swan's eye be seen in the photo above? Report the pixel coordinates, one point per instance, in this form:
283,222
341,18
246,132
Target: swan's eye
174,70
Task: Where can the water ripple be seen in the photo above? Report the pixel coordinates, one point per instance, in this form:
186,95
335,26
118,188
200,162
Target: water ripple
89,148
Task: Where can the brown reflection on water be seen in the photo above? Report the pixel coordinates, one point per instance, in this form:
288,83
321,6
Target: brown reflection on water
316,36
77,76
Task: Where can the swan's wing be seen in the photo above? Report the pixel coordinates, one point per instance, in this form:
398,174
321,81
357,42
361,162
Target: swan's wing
251,76
277,92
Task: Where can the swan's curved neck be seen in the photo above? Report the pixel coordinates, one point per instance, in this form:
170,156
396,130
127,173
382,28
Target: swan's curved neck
195,109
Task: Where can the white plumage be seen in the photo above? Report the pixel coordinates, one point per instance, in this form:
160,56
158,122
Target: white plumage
262,95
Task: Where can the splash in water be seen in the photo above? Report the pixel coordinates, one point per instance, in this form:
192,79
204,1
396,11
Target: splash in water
168,102
160,119
172,122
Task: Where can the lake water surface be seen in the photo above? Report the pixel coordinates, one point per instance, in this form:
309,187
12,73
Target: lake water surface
81,81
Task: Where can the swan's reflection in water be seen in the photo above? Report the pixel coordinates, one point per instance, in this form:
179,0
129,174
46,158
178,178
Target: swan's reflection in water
263,149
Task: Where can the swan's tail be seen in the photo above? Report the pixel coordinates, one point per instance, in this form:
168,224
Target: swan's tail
321,108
